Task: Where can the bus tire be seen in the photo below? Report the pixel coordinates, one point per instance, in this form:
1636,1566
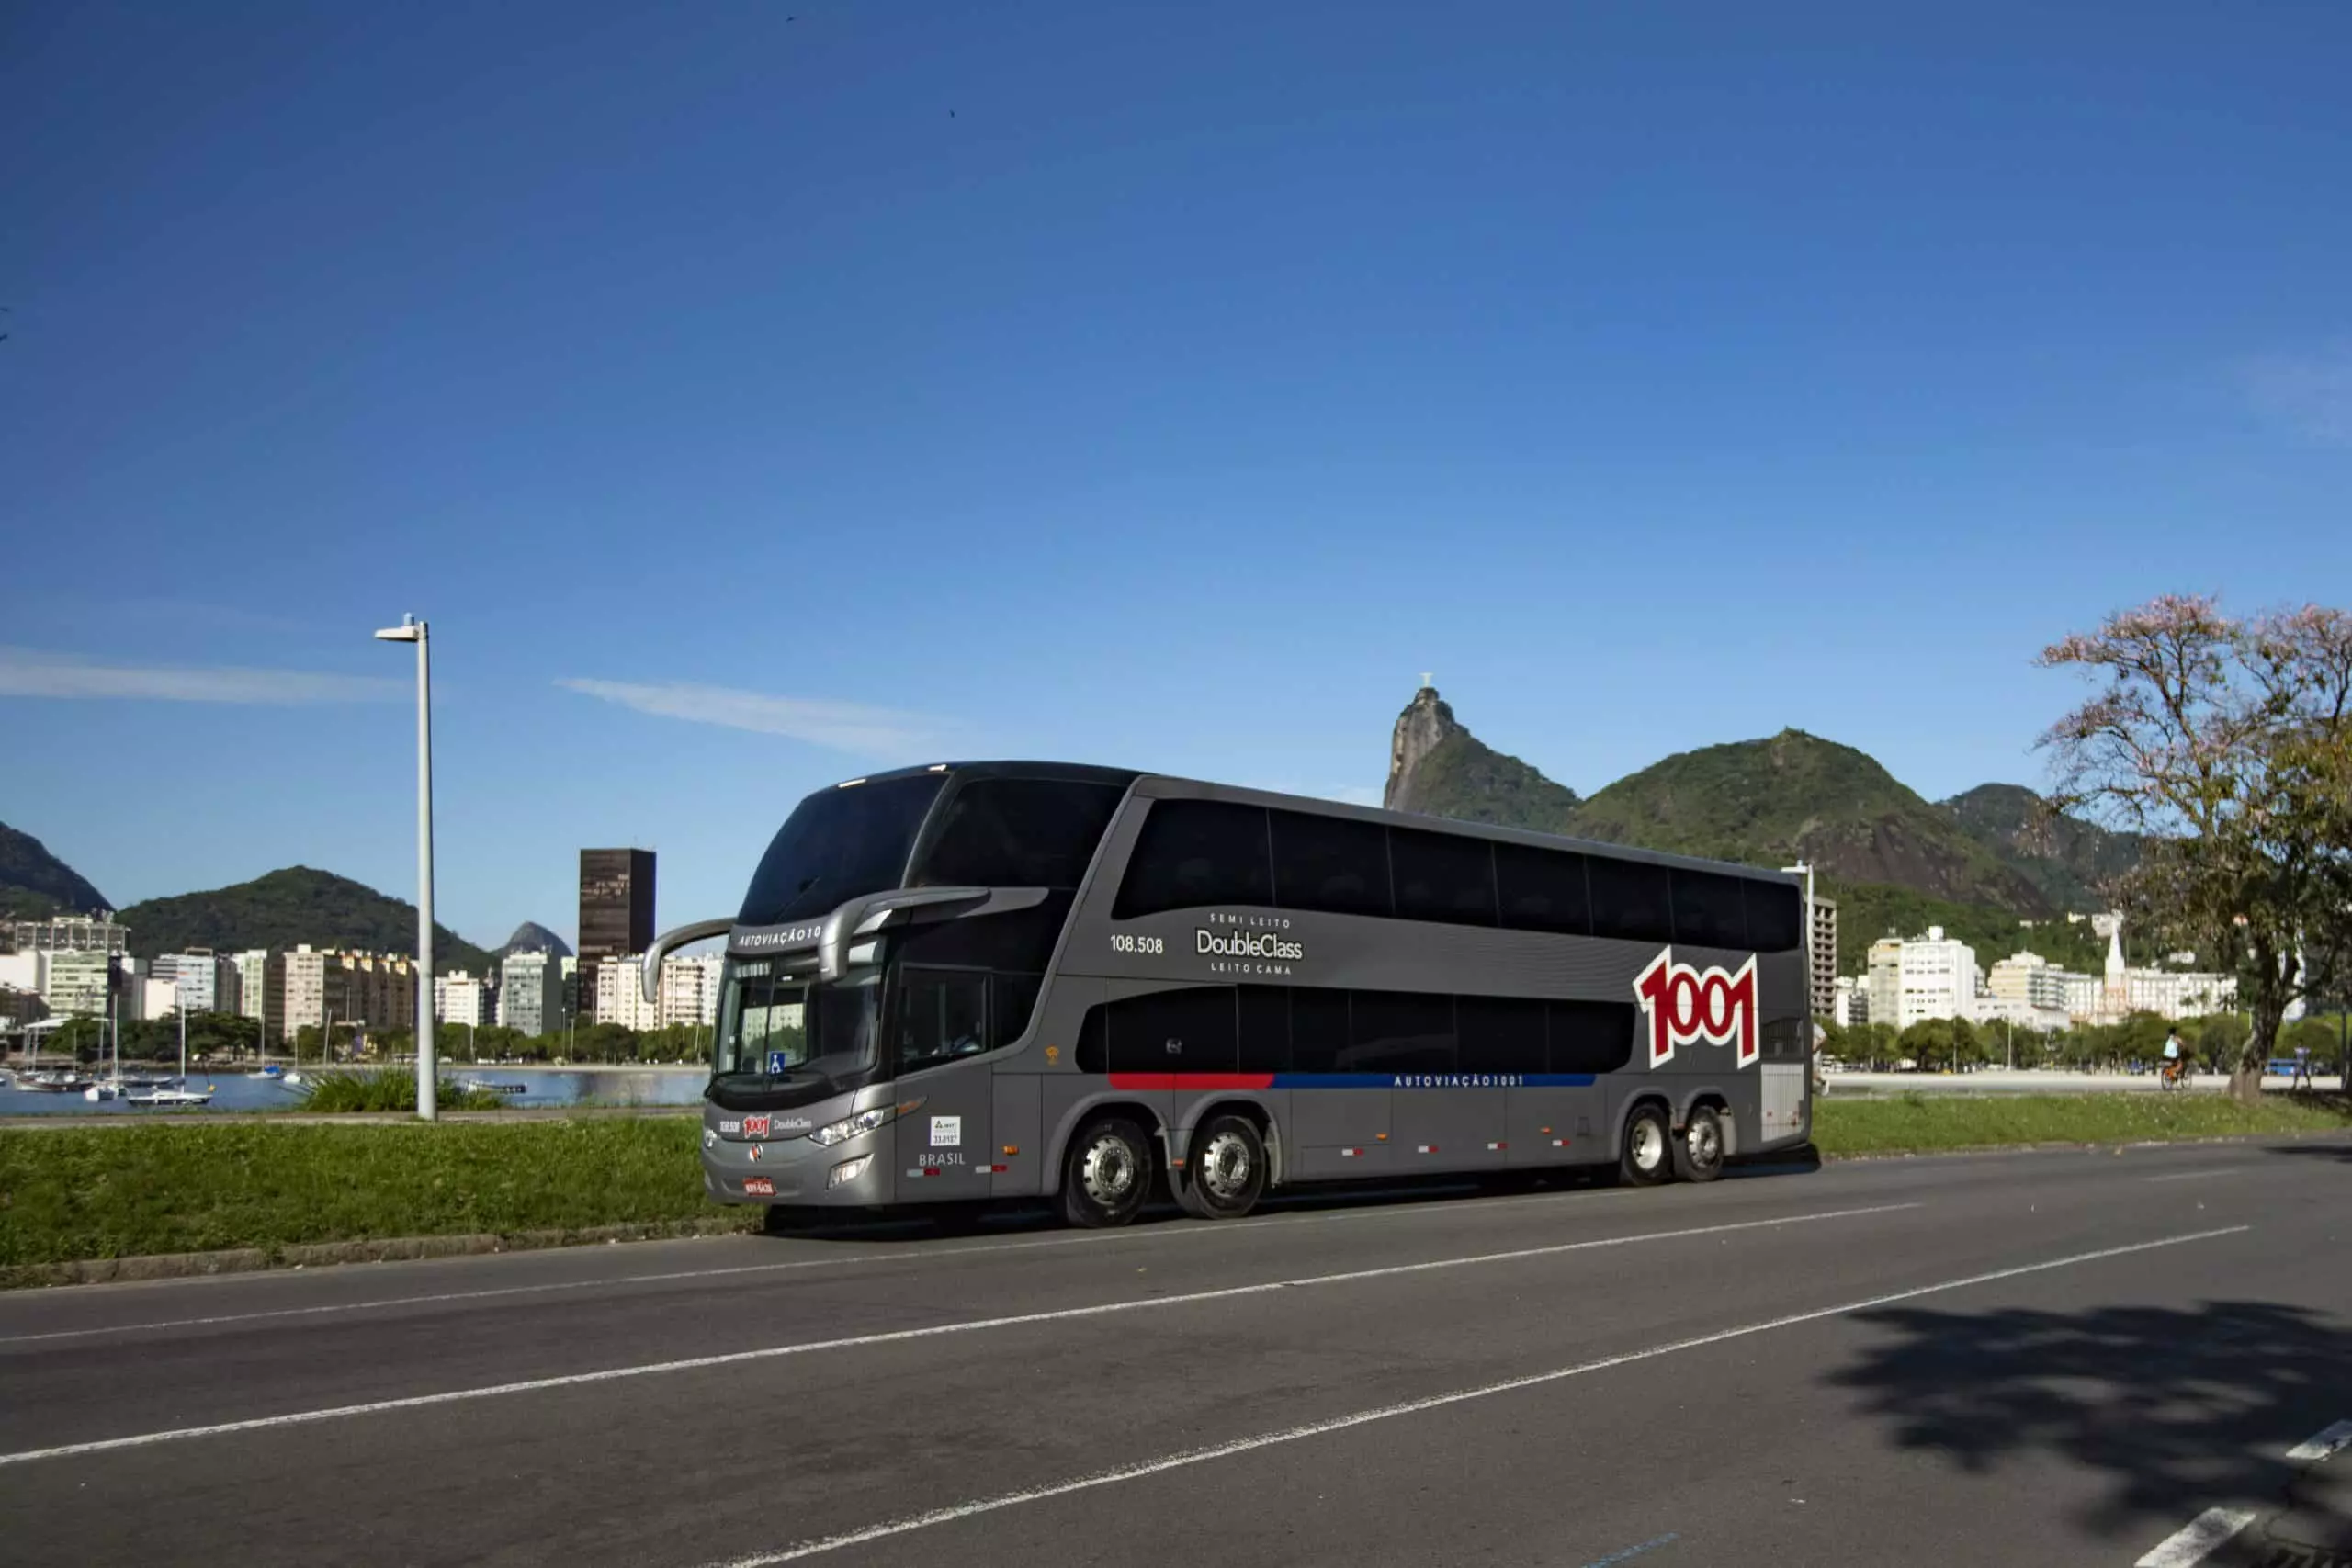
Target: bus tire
1106,1176
1648,1157
1227,1170
1698,1153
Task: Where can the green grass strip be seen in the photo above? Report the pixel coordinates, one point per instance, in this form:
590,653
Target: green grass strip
70,1193
1921,1123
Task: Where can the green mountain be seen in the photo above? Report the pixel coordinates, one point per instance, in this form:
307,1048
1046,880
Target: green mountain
2070,860
1439,769
1798,796
285,908
533,937
1868,910
35,884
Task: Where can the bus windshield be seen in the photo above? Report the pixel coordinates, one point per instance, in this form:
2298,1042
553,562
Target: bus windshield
837,844
774,1026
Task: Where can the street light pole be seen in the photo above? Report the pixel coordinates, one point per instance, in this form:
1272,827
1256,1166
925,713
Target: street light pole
411,629
1807,866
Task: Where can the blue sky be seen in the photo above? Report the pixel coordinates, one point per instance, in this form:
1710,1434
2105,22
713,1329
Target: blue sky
754,394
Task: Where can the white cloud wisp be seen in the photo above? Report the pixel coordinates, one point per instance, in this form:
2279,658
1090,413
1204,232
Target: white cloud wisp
31,672
844,727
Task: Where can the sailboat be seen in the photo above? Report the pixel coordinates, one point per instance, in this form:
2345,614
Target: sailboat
111,1086
267,1068
183,1095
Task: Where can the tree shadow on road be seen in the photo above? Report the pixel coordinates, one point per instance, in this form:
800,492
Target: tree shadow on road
2329,1150
2175,1409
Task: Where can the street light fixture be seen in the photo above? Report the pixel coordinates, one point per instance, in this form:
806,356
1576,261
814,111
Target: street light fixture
411,629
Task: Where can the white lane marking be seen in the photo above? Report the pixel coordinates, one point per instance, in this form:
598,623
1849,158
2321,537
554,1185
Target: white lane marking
2196,1175
1415,1406
2196,1540
2324,1446
1095,1239
893,1336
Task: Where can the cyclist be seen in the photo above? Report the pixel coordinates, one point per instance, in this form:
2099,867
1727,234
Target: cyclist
2175,1067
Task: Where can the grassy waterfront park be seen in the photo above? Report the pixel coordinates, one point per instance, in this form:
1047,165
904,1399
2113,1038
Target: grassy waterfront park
69,1194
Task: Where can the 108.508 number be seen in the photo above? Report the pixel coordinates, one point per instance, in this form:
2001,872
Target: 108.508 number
1144,945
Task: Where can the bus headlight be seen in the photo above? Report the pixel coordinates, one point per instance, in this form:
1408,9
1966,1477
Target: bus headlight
849,1127
849,1170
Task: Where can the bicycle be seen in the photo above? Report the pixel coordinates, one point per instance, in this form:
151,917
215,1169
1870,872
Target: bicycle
2175,1074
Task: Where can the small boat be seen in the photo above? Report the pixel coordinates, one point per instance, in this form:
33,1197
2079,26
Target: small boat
273,1070
55,1081
167,1099
477,1086
105,1088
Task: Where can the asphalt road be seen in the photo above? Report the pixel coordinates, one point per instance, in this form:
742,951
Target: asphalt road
2038,1359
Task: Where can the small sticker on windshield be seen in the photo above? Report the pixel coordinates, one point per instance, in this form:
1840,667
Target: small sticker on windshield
947,1132
776,1064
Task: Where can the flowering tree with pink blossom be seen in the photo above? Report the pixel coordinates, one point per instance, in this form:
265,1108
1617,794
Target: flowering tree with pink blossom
2228,743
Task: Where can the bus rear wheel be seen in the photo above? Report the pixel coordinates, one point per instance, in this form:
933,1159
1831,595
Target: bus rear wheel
1698,1153
1227,1173
1106,1177
1648,1157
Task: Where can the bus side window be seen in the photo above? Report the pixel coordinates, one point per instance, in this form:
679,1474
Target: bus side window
1174,1032
1707,911
1334,865
943,1013
1442,877
1318,1029
1542,890
1265,1030
1629,899
1500,1034
1591,1037
1192,852
1400,1032
1773,922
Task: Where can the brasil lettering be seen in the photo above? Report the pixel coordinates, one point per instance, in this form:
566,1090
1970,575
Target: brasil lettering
1686,1005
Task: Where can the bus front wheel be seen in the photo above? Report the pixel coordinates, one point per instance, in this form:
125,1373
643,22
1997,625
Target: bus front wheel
1227,1173
1107,1175
1648,1158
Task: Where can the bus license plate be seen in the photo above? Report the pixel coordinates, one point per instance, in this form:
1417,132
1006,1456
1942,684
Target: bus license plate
759,1186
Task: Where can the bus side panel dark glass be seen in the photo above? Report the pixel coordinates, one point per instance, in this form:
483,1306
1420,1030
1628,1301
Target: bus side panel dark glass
1400,1032
1265,1030
1017,833
837,845
1174,1032
1591,1037
1775,917
1707,910
1318,1029
1332,864
1629,899
1442,877
1196,852
1500,1034
1542,890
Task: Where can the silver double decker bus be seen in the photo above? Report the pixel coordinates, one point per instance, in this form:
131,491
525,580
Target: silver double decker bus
990,980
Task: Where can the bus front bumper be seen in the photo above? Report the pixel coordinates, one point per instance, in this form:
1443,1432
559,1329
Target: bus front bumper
798,1170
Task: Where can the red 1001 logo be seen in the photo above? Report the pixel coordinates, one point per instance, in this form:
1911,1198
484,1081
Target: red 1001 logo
1686,1005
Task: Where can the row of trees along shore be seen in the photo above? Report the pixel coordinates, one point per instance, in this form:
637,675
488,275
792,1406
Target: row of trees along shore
2227,742
228,1039
2216,1043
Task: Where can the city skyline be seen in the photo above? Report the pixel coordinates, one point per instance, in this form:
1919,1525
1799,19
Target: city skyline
751,406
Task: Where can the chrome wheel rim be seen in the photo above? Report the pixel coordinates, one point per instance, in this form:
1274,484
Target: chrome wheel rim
1649,1144
1109,1173
1226,1168
1706,1142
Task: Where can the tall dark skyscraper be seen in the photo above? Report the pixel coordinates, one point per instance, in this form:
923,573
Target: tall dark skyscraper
615,912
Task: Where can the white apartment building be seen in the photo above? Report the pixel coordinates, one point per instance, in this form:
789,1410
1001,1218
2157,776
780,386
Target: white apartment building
1885,980
530,993
1825,955
206,981
74,981
1849,1001
1937,976
459,997
619,996
690,988
71,933
2173,994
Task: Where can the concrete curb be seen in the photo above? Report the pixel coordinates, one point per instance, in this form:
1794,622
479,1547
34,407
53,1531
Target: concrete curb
248,1259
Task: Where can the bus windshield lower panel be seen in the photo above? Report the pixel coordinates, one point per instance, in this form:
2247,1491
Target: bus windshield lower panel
784,1040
